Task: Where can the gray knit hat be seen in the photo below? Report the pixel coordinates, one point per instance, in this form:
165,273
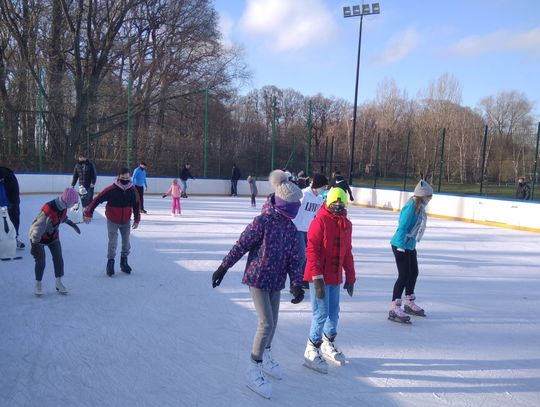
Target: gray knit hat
284,189
423,189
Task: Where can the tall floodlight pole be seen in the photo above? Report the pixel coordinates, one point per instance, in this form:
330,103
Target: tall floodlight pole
358,11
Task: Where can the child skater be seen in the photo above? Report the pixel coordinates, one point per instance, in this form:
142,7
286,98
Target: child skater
412,223
175,192
44,231
273,253
329,252
253,189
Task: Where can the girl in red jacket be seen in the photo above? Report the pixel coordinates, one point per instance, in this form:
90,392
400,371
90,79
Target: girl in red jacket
329,252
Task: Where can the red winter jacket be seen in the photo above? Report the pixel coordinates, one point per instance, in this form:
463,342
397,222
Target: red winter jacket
329,248
121,200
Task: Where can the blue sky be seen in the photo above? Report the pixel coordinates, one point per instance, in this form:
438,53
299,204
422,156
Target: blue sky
307,45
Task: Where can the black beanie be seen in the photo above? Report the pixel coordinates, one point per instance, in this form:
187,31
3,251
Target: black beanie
319,181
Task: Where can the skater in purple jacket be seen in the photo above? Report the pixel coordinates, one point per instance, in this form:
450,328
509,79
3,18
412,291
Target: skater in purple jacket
271,243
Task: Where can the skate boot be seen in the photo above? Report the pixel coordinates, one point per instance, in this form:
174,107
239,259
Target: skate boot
60,287
270,366
20,245
124,266
411,308
396,314
256,380
330,352
110,267
313,359
39,289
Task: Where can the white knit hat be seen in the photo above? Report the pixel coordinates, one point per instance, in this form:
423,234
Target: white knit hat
285,189
423,189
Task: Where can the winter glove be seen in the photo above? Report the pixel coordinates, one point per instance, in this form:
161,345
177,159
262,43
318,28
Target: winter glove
298,294
349,287
164,196
87,219
74,226
319,288
218,275
34,250
135,226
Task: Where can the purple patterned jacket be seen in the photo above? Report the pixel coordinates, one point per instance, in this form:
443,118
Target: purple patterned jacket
273,252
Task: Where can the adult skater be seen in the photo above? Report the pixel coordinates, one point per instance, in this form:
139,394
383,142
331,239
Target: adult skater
273,253
329,253
184,176
235,176
340,182
10,198
523,191
411,227
85,172
310,203
139,181
44,231
121,198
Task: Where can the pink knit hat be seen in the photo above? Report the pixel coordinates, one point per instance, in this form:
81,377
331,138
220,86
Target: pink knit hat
70,196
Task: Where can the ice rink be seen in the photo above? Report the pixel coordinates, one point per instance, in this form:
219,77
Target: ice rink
163,337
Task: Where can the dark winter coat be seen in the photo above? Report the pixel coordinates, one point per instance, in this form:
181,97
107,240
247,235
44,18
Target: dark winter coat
11,186
235,175
121,200
273,252
523,191
85,172
329,248
185,174
341,182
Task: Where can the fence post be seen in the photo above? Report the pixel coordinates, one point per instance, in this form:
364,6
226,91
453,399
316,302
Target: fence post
441,159
273,132
205,155
308,150
40,120
129,124
483,159
535,162
406,160
377,161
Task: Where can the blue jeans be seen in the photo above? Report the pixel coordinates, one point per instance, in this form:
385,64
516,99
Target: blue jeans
184,185
325,313
301,238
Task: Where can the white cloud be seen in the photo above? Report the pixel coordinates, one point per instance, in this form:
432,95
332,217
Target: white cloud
226,24
399,46
288,24
526,41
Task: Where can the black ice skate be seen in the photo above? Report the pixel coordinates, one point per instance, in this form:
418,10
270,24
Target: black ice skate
124,266
110,267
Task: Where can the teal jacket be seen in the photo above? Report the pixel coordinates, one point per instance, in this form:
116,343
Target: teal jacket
407,220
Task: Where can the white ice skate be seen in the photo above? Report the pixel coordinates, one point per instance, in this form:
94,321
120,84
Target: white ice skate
60,287
313,359
270,366
39,289
256,380
411,308
396,314
330,352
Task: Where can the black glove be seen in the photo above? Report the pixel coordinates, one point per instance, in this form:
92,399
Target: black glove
319,288
218,275
164,196
34,250
74,226
298,294
349,287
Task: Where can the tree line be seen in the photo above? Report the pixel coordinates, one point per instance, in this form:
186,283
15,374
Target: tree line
152,80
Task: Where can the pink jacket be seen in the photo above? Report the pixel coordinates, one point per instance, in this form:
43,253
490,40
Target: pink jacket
174,190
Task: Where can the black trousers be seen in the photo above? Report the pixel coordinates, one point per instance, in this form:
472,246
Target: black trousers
14,214
141,196
86,199
407,265
234,184
58,261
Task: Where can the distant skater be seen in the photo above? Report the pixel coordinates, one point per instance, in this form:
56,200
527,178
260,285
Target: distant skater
252,189
175,192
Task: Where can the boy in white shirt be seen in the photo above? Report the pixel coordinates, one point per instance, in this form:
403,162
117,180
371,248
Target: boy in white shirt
310,203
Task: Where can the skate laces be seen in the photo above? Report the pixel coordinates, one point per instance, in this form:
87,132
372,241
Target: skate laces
411,304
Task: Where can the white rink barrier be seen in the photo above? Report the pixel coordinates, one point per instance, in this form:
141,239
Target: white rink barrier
523,215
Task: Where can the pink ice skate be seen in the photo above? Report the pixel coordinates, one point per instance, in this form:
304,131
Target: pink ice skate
411,308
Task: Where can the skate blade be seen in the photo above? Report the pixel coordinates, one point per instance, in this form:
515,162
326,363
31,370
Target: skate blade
334,361
255,390
416,314
399,321
38,294
311,367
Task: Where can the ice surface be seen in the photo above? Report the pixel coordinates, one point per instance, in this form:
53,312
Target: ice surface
163,337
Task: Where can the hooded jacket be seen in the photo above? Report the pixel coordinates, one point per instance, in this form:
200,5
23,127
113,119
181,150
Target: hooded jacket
271,242
329,248
45,227
121,200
